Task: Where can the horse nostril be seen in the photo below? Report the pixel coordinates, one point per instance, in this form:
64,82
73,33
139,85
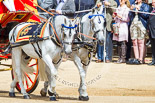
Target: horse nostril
101,42
68,53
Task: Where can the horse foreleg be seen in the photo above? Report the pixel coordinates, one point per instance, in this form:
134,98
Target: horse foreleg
82,88
53,73
43,91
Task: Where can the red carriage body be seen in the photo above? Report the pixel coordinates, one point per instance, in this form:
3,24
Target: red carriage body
22,15
20,7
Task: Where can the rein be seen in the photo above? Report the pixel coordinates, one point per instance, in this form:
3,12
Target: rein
55,34
41,8
87,36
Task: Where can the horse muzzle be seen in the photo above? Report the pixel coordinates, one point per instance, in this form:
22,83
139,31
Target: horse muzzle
101,42
68,47
68,51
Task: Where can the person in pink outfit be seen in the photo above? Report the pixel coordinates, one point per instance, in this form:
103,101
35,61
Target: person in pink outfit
121,19
138,30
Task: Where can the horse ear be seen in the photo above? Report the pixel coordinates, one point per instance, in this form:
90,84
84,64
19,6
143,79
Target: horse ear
93,10
101,10
65,21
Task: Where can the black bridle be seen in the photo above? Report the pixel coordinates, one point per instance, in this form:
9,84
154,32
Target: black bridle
70,27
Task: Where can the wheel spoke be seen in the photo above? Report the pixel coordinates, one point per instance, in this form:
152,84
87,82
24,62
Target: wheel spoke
34,73
17,84
27,84
29,78
33,65
26,81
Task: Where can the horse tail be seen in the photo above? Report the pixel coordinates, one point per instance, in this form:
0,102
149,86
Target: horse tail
24,65
25,69
29,70
42,71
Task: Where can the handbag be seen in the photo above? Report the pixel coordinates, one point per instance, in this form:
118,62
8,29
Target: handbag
115,28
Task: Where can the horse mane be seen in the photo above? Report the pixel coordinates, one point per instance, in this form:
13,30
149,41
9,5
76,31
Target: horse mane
57,22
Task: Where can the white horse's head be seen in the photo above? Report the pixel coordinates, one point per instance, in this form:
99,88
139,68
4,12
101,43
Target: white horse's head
68,33
97,20
66,29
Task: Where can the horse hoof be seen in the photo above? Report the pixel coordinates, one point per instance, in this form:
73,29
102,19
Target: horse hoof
43,93
26,97
82,98
11,94
50,93
52,98
53,94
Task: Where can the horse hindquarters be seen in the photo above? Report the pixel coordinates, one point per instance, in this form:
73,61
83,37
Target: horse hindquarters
16,62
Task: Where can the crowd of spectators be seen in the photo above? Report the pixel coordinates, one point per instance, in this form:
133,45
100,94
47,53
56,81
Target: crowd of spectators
129,29
132,27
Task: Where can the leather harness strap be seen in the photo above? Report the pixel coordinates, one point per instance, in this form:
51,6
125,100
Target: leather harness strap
39,54
89,57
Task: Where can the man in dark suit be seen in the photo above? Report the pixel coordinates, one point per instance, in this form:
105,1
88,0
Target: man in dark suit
84,5
109,12
66,7
151,27
48,5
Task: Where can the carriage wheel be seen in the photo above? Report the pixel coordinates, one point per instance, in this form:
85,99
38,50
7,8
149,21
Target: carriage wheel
30,81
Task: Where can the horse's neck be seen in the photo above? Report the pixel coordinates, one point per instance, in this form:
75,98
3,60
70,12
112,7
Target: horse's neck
86,26
57,27
53,29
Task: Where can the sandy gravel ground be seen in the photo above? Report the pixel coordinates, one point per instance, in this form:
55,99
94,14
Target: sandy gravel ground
106,83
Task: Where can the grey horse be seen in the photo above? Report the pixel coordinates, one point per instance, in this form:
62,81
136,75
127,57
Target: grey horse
92,24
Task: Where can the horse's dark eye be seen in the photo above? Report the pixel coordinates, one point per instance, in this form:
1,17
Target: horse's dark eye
64,35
